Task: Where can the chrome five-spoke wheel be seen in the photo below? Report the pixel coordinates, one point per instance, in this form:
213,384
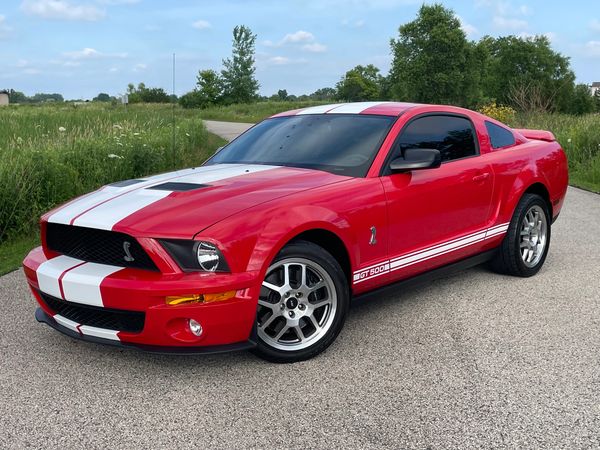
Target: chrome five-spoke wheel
533,236
297,304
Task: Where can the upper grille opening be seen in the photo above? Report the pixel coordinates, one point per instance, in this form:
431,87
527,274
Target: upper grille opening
99,246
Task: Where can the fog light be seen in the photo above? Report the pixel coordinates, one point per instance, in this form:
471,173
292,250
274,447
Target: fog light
195,327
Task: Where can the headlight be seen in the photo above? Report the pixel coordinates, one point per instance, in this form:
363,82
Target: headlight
195,255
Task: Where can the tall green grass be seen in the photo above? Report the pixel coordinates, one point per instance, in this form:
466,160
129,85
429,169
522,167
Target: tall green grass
50,154
580,138
252,112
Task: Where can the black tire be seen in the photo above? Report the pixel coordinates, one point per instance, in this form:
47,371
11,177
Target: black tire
307,251
508,260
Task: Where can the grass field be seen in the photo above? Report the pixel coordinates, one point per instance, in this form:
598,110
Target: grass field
50,154
252,113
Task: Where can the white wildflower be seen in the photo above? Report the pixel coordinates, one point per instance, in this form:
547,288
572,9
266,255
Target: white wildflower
569,140
19,140
136,134
187,134
62,129
112,156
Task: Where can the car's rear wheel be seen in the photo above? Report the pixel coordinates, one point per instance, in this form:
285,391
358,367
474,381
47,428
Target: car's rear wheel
527,239
302,304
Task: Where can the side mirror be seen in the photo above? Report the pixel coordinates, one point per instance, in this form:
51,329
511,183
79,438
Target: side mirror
416,159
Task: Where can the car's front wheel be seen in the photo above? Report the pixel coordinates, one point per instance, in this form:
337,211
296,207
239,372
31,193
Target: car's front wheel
302,305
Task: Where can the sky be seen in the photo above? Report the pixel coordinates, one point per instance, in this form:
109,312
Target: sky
82,47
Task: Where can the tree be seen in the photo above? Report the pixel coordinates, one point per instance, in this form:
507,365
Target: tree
102,97
142,94
527,69
210,87
432,60
597,100
282,95
17,97
326,93
360,83
582,101
240,86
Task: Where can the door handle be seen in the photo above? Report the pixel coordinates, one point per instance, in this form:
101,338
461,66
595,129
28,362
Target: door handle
481,177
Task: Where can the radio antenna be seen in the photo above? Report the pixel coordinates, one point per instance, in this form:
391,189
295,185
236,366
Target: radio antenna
173,109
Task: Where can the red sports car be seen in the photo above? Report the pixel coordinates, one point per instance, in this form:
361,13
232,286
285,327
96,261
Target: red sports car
263,246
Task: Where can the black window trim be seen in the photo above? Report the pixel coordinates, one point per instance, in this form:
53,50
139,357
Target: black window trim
385,168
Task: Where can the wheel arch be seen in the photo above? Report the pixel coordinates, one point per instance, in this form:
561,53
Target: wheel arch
540,189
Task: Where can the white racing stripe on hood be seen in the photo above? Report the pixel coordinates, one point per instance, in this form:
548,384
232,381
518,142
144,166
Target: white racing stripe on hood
79,206
321,109
106,215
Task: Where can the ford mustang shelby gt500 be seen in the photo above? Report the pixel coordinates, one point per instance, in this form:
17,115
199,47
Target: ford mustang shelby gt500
263,245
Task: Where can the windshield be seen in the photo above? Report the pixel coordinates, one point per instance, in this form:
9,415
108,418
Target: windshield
340,144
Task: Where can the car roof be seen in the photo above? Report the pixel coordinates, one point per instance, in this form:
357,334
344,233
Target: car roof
377,108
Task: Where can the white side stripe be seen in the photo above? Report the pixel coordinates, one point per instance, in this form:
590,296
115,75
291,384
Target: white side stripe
103,333
67,323
49,272
415,257
82,284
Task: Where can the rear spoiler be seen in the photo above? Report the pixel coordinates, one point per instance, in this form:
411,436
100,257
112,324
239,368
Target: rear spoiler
539,135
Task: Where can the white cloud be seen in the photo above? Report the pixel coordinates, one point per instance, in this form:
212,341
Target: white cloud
118,2
201,24
278,60
140,67
113,70
551,36
22,63
92,53
304,39
31,71
470,30
315,47
72,64
595,25
4,28
353,23
592,48
298,37
509,23
62,10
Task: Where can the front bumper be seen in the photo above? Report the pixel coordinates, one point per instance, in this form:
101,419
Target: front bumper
227,325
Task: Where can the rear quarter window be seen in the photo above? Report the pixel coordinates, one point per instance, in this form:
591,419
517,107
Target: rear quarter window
499,136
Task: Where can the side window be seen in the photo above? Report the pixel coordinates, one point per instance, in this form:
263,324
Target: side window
499,136
453,136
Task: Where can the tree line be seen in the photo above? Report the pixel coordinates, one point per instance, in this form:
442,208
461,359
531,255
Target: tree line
432,62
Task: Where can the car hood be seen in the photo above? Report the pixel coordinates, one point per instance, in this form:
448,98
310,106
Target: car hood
180,204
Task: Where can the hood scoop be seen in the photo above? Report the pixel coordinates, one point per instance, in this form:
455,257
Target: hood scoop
178,187
125,183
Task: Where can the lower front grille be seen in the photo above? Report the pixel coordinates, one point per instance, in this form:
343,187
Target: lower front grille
111,319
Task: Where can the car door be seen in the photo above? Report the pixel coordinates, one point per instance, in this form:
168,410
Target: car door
436,216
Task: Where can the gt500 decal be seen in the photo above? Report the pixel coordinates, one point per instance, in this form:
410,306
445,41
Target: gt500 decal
409,259
370,272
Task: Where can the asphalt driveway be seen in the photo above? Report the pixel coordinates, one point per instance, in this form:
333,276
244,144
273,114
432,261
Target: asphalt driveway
473,360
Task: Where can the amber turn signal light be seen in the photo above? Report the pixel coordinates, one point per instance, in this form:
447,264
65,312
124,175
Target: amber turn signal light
174,300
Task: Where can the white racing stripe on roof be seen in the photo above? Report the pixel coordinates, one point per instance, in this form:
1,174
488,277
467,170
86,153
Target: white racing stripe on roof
106,215
321,109
355,108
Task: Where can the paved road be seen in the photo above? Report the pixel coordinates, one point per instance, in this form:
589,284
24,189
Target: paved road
474,360
227,130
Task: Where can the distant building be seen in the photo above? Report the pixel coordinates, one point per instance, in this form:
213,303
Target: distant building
595,87
4,100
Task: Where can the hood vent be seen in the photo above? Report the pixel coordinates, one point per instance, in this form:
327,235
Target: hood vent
178,187
125,183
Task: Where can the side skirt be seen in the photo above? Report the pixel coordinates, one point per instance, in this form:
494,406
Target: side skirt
434,274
